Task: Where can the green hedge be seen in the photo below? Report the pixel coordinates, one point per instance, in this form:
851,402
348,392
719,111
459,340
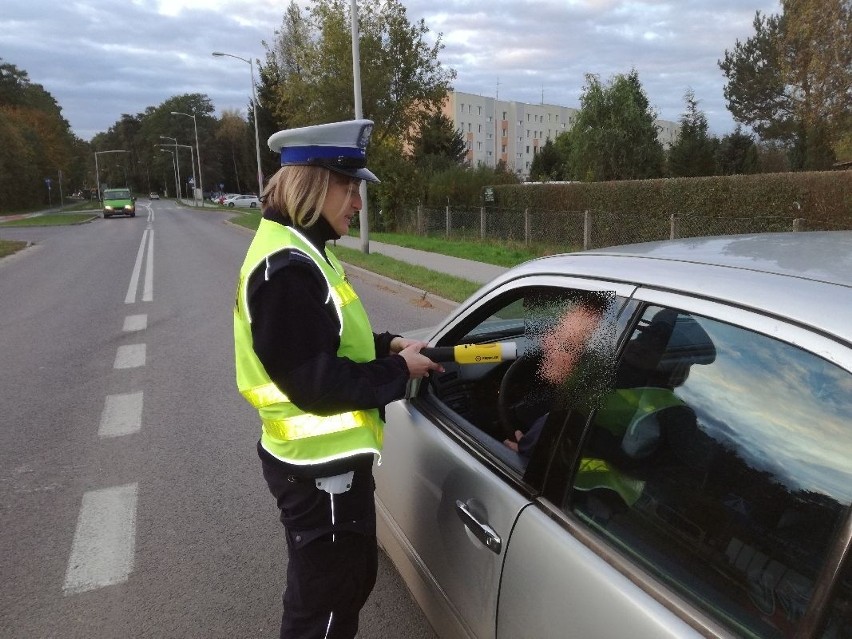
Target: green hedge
824,196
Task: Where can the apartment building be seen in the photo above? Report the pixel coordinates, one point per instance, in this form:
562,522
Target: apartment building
513,131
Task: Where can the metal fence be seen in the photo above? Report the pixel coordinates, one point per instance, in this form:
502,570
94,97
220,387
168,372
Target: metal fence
574,230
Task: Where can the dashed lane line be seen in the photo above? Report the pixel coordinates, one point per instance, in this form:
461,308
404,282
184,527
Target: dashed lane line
130,356
102,553
122,415
135,323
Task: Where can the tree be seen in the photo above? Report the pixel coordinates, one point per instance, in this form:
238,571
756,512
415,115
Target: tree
737,154
615,137
437,144
792,80
37,140
401,75
547,163
692,153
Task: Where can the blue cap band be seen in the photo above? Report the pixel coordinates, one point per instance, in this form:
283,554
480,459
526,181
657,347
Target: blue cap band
316,154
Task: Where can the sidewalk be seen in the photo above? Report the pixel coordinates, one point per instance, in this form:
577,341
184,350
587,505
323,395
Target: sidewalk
458,267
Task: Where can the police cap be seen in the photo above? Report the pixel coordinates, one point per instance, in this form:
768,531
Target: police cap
337,146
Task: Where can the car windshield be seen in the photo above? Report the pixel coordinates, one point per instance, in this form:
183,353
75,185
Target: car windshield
117,194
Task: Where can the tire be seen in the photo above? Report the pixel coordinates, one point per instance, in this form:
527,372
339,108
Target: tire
252,205
133,214
106,217
230,205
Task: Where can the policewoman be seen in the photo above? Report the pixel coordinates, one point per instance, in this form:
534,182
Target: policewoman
308,361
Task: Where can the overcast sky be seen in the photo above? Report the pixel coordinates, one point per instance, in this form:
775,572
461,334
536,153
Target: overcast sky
103,58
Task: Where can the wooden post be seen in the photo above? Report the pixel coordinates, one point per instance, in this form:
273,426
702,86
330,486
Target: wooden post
587,230
448,221
527,227
482,222
673,226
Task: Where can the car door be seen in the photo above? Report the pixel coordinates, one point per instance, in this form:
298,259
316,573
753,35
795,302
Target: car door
449,491
708,495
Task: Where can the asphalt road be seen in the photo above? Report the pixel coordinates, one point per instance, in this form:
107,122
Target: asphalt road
131,499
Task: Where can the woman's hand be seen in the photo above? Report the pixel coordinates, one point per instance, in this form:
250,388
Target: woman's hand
398,343
418,365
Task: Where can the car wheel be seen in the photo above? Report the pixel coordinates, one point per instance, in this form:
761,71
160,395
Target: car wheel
230,205
133,214
106,216
252,205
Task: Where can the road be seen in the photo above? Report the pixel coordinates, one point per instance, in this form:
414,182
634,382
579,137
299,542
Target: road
131,498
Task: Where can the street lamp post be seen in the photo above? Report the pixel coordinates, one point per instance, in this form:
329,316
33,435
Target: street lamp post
174,168
250,62
197,153
177,163
191,161
97,171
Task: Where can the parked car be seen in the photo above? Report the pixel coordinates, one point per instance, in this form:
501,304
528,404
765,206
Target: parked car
154,195
119,202
250,201
691,477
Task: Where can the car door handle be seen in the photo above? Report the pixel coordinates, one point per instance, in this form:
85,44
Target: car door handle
482,531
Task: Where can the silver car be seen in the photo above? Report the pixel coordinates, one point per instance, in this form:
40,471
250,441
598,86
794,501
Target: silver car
660,446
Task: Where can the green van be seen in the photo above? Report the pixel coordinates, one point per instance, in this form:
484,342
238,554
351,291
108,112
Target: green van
119,202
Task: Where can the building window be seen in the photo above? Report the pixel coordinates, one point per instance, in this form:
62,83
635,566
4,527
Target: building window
528,133
479,146
503,149
461,107
504,115
479,128
479,110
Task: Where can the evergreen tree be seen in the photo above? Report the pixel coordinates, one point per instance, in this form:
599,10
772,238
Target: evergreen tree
737,154
692,154
547,164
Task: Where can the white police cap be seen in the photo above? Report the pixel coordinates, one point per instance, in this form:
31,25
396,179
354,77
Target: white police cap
338,146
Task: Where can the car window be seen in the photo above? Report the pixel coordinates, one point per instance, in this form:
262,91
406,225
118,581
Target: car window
719,462
505,406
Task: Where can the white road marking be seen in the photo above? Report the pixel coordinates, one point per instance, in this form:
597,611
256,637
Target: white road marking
122,415
103,550
148,293
130,356
130,298
135,323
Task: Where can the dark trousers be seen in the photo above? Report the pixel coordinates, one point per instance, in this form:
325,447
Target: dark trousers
332,565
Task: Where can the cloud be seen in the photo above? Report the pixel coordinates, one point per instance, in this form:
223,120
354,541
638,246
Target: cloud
100,60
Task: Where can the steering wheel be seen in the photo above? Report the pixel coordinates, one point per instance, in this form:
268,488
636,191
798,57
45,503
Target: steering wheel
514,393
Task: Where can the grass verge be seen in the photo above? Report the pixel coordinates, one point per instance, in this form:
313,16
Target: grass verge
452,288
50,219
7,247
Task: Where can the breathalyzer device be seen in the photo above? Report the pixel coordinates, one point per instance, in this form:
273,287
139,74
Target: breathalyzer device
492,353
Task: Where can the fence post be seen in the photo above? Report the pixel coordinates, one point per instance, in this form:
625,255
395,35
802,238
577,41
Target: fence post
587,230
673,226
482,222
799,224
420,219
448,221
527,225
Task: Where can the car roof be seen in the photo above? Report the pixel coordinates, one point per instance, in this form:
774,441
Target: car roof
806,276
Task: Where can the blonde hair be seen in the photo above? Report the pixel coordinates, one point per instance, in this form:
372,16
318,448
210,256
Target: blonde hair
299,191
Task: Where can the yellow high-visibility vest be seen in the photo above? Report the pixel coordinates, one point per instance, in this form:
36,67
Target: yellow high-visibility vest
289,433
